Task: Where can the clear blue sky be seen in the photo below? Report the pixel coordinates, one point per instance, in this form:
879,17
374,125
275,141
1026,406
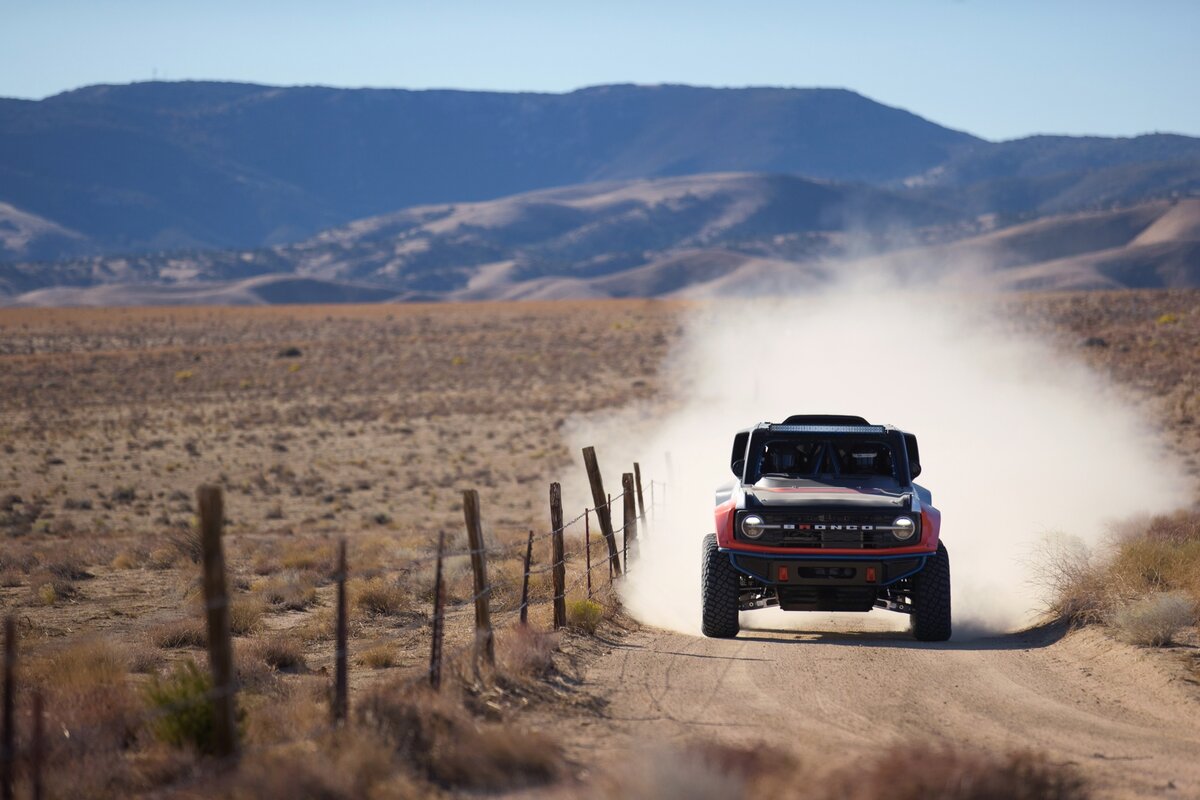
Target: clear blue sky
997,68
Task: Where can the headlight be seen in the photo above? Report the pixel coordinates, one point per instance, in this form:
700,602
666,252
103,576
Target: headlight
903,528
752,526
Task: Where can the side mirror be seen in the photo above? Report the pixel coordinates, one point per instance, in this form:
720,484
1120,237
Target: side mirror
738,467
914,470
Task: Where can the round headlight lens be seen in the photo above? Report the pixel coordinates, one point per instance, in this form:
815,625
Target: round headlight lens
752,526
903,528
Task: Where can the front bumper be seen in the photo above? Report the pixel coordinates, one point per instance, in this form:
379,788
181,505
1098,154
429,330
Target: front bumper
809,569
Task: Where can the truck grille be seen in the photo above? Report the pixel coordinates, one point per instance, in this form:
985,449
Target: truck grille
829,530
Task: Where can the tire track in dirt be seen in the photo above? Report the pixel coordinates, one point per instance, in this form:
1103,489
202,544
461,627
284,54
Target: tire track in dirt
1124,716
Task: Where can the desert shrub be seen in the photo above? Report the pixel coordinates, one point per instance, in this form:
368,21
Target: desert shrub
714,770
584,615
435,734
126,559
1155,557
289,590
1156,620
162,558
1074,583
316,627
379,597
142,657
307,555
245,614
49,589
181,708
526,653
956,774
357,766
87,695
379,656
189,632
279,652
186,543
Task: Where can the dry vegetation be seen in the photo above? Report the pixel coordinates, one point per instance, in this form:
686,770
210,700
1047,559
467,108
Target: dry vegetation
366,422
718,771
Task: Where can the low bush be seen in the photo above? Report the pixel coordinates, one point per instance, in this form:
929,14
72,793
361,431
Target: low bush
245,614
379,656
439,738
584,615
289,590
189,632
1156,620
279,652
379,597
181,708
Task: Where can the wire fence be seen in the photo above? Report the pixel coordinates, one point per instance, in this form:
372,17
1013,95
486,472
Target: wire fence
26,756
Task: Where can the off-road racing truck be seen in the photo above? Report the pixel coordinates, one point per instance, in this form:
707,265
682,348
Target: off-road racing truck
825,516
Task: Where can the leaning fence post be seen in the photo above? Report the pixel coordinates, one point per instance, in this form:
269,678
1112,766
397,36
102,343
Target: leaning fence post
341,681
7,732
630,514
637,477
483,619
525,581
603,512
587,547
558,567
439,602
36,755
211,506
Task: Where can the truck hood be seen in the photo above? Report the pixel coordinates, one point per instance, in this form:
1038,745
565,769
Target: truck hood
829,496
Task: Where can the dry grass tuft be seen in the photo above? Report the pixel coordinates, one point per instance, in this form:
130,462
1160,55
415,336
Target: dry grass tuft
1147,589
526,653
1156,620
245,614
378,656
93,711
279,652
716,771
307,556
354,766
955,774
289,590
188,632
444,743
379,597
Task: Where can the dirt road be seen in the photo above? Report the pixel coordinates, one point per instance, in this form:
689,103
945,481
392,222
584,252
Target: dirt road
1127,718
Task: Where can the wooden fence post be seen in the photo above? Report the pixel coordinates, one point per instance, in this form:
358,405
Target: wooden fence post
637,477
587,547
558,567
484,640
603,512
525,581
8,733
211,505
630,514
36,754
341,681
439,603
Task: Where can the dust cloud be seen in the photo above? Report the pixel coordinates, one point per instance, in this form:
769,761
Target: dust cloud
1018,440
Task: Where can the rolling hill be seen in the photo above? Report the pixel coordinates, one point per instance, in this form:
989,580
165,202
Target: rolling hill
724,234
193,164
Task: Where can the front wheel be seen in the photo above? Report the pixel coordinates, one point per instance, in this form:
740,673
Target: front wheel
931,599
718,592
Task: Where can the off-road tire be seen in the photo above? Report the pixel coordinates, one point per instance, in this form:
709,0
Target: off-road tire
718,592
931,599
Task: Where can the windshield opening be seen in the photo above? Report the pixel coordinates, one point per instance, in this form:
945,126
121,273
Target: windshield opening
826,458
